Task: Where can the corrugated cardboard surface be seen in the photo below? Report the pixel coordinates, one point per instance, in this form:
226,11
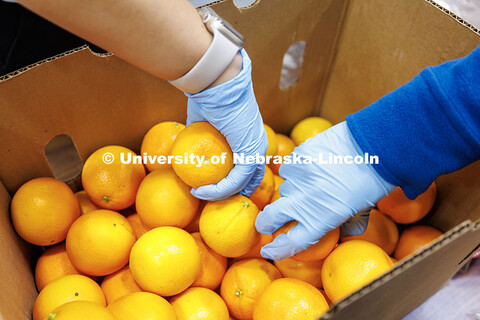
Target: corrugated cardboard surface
403,37
412,281
97,100
17,287
458,198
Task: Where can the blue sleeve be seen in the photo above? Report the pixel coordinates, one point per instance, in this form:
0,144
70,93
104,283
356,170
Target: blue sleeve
428,127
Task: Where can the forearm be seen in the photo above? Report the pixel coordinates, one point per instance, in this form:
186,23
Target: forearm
165,38
428,127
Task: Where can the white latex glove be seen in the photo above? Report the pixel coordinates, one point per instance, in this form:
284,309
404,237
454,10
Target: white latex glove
321,196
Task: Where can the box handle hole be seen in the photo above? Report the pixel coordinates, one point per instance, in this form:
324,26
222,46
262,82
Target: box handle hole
292,65
243,4
63,158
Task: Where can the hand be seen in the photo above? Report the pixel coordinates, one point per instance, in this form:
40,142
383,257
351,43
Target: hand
232,109
321,196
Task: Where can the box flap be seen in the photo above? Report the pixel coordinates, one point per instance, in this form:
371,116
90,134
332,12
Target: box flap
17,288
398,292
97,100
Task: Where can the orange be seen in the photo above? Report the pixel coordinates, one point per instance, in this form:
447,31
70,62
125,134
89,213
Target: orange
381,230
158,142
43,209
119,284
193,226
228,226
261,197
99,242
112,185
310,272
86,205
213,266
199,304
394,260
415,238
164,200
65,289
287,298
317,251
142,306
405,211
278,181
272,141
201,139
352,265
80,310
53,264
138,227
308,128
255,251
285,147
165,261
276,194
244,283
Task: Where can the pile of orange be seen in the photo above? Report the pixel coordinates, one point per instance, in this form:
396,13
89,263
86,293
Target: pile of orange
135,244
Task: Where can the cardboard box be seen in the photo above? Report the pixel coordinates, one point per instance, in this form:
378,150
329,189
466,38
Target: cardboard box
356,51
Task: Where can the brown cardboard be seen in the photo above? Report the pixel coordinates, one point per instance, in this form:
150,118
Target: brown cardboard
458,198
17,287
356,52
82,95
411,281
401,42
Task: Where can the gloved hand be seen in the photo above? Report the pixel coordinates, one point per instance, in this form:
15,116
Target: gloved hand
232,109
321,196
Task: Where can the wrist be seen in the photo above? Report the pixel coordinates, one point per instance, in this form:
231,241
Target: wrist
355,148
233,93
220,62
231,72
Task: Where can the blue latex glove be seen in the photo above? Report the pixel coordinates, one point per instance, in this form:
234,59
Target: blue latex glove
232,108
321,196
